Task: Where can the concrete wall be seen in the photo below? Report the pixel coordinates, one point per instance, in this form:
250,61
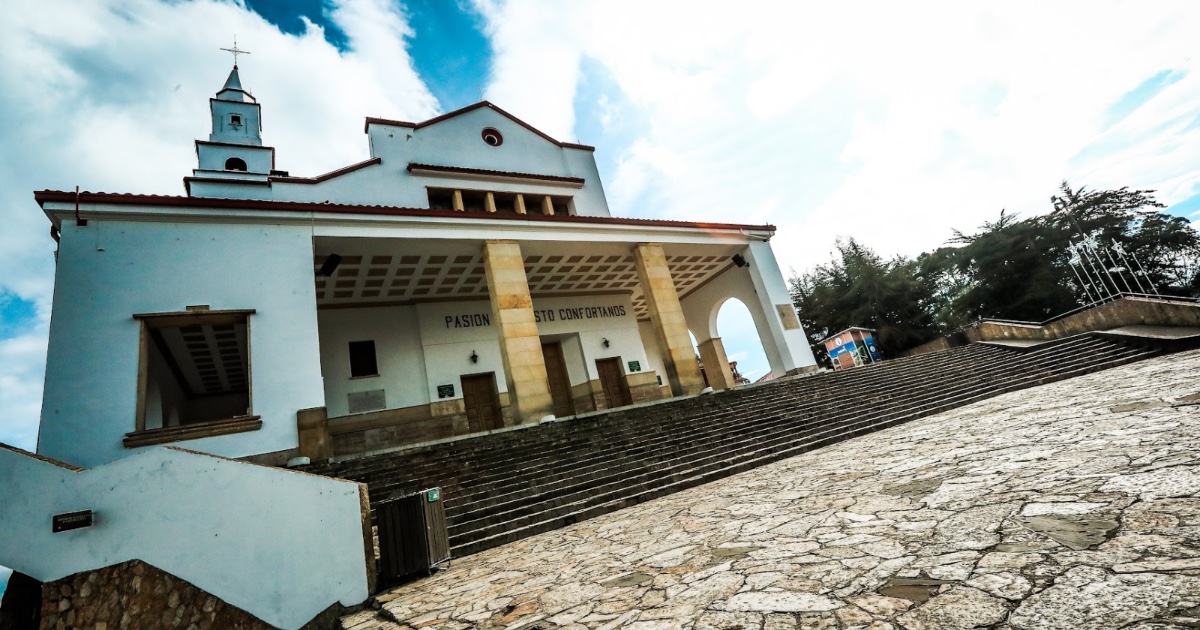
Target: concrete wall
398,352
421,347
453,142
1126,311
279,544
937,345
760,287
592,328
108,271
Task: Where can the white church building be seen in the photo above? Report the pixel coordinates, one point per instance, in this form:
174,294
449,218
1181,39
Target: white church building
466,277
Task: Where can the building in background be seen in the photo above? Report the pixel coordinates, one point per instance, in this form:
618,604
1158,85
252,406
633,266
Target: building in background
851,347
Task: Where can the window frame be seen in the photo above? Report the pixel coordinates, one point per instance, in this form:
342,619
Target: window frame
141,436
374,358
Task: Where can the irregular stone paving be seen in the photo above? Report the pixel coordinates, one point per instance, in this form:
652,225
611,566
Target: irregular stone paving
1073,506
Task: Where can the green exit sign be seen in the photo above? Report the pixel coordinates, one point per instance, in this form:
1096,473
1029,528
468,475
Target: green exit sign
435,495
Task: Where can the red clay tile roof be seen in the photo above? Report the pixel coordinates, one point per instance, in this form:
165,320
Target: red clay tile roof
127,199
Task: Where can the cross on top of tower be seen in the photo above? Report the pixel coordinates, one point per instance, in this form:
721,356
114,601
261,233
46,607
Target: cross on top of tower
236,51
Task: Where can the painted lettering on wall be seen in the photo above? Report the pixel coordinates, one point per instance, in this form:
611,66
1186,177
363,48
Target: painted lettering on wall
591,312
474,320
480,320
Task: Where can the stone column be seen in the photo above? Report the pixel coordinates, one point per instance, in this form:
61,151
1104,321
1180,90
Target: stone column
716,364
520,347
666,316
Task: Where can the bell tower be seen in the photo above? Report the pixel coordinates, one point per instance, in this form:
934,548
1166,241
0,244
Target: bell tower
234,152
236,117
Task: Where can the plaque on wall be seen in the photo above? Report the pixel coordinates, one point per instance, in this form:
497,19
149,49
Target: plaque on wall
70,520
362,402
446,391
787,313
635,366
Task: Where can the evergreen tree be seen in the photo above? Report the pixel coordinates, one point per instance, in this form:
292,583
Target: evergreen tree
858,288
1011,268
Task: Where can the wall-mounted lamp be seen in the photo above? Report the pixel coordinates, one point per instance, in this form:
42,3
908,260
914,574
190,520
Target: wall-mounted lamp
474,357
740,261
330,266
605,342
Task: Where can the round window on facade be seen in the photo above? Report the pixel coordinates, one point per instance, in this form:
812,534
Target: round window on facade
492,137
235,164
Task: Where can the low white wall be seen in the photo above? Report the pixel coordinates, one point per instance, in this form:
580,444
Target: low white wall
279,544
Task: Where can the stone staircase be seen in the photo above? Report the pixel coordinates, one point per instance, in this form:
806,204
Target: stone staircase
505,486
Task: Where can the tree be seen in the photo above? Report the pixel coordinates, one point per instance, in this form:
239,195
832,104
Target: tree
1015,269
1166,246
858,288
1021,269
1012,268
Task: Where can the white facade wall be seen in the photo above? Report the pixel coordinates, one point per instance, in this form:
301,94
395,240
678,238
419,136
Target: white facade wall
398,354
213,156
108,271
249,132
448,346
771,290
591,331
760,287
452,142
457,142
279,544
421,347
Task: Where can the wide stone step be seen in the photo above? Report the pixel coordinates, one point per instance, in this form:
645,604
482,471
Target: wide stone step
504,486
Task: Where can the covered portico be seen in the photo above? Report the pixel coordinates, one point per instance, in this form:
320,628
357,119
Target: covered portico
516,323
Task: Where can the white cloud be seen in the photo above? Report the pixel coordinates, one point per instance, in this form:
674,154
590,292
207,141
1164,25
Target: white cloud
889,122
109,96
532,41
22,369
885,121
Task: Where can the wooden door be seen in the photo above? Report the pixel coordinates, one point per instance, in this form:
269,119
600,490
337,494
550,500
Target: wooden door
482,402
560,383
612,381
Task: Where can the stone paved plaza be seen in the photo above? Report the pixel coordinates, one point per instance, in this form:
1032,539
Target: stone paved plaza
1070,506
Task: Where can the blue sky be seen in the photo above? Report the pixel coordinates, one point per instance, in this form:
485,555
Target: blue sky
890,122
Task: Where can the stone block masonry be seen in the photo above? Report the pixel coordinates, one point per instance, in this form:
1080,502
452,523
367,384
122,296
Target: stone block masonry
666,316
520,346
134,595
